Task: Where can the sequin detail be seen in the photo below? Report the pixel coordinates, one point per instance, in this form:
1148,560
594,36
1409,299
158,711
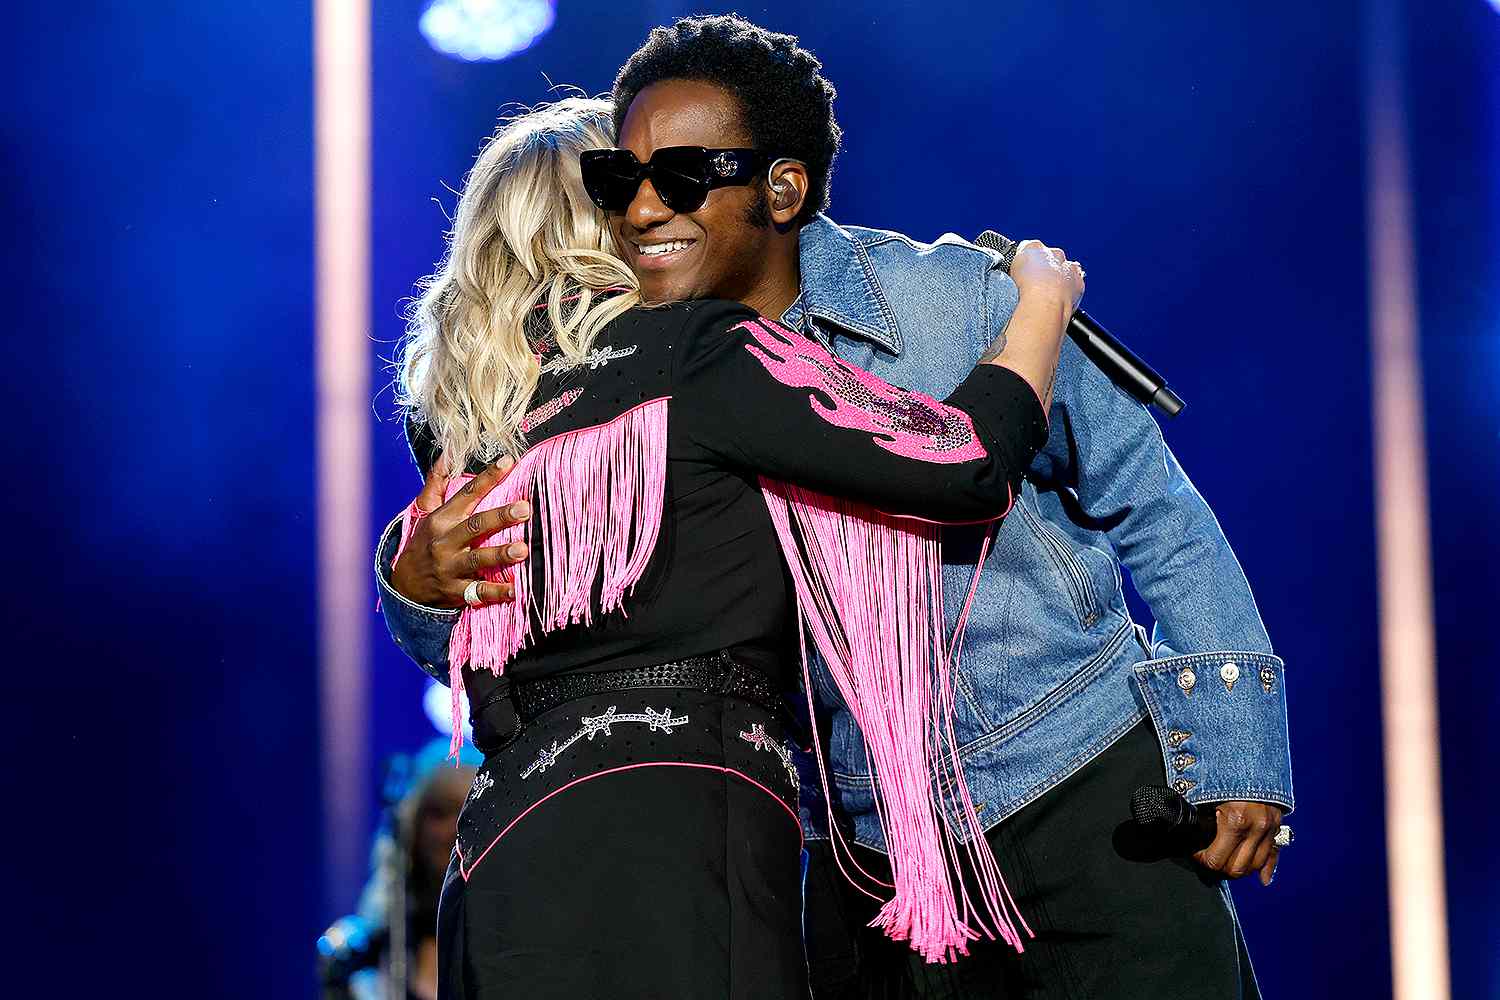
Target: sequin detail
598,358
758,738
482,783
549,409
905,423
593,725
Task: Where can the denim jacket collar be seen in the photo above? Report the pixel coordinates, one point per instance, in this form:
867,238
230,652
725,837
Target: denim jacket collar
839,285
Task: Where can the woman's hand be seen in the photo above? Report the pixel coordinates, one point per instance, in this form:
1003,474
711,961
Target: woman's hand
1051,286
1045,273
445,552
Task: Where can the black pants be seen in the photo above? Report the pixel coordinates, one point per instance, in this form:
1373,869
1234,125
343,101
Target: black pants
1110,920
635,844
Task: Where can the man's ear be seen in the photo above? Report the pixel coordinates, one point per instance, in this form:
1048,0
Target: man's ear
788,184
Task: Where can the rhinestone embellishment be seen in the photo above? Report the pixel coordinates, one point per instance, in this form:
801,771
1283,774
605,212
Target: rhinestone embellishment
549,409
1177,737
482,783
1229,673
757,738
599,357
1268,679
1187,680
1183,761
1182,785
724,164
593,725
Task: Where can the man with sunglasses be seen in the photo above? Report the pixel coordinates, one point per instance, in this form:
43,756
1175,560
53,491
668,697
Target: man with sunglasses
726,141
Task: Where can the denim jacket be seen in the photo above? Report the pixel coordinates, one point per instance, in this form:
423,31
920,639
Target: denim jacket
1053,670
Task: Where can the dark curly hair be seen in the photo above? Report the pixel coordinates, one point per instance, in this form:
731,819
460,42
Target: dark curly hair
786,104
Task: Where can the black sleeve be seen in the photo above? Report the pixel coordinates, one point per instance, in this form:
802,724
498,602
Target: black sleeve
423,445
763,399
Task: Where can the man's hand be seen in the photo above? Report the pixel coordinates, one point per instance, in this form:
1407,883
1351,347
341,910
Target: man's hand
444,554
1244,841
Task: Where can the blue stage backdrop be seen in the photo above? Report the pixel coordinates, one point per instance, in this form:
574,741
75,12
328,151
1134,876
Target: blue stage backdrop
1205,161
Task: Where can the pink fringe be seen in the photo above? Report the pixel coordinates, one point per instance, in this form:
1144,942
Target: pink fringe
597,495
870,590
409,521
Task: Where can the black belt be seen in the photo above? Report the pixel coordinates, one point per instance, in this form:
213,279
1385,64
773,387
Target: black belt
717,674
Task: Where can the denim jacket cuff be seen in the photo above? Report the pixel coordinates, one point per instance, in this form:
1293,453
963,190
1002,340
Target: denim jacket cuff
1220,718
421,632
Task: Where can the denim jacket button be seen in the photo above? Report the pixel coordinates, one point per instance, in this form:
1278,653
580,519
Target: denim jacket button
1268,679
1177,737
1229,673
1187,680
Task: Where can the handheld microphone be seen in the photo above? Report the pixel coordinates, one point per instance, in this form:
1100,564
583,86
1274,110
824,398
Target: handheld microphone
1161,808
1113,358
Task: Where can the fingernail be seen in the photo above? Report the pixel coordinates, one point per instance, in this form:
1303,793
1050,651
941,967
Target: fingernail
505,463
515,550
520,509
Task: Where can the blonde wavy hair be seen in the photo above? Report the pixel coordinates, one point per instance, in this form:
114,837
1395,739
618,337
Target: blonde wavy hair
525,236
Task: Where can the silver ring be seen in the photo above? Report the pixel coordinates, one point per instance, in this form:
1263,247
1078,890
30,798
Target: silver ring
471,598
1284,836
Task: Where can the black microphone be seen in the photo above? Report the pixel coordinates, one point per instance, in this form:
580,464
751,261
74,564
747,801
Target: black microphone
1160,808
1112,357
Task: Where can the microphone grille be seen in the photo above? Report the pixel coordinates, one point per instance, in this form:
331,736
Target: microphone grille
1004,246
1152,804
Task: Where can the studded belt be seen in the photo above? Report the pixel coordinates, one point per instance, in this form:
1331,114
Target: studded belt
715,674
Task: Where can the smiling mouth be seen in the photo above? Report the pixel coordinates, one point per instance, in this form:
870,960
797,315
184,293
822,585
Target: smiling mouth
664,252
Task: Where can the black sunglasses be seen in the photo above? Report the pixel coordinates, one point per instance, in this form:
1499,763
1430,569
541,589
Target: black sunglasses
681,175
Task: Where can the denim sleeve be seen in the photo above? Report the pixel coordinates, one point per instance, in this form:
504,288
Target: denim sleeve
421,632
810,807
1213,687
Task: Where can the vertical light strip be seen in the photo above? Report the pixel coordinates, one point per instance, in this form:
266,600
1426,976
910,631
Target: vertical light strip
1408,662
341,43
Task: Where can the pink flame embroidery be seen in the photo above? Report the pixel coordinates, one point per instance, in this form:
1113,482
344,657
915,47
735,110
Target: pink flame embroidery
535,418
906,423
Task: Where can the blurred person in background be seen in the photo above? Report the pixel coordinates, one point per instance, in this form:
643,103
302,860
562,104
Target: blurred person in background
388,947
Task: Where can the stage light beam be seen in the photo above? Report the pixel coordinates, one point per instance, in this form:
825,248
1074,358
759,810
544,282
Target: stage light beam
1408,660
341,102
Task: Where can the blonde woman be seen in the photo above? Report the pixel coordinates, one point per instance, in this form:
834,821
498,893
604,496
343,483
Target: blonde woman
633,831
